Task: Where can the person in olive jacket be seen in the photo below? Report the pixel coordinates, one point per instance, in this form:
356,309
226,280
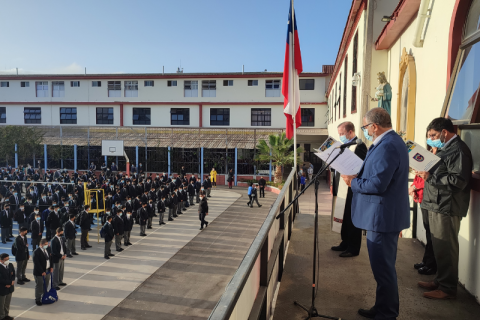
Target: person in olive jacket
446,196
7,281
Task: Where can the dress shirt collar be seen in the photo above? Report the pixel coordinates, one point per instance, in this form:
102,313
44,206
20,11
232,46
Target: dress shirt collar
380,137
447,143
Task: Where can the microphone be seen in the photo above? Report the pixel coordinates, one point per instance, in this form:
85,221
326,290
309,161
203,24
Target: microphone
353,143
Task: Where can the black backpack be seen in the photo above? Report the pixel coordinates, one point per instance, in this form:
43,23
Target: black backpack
14,248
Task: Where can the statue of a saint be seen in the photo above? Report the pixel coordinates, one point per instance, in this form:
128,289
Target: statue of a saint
383,93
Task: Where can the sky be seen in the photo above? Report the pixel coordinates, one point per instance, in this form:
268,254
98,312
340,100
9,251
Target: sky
142,36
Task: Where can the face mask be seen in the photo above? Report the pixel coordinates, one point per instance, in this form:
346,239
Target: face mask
119,207
36,211
6,262
129,215
343,139
67,205
21,209
15,193
437,143
367,136
38,219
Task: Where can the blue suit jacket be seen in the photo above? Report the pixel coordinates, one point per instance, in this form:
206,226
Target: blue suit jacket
380,192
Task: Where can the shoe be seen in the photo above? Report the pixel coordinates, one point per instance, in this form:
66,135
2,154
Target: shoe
83,248
70,256
184,209
367,313
207,224
130,244
339,248
106,257
38,302
179,213
427,271
57,288
347,254
25,280
170,219
75,254
20,282
90,229
121,249
155,215
201,228
429,285
149,228
162,223
259,206
111,255
8,240
62,284
438,295
419,265
88,246
143,235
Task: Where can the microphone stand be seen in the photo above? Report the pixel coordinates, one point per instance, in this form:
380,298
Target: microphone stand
312,311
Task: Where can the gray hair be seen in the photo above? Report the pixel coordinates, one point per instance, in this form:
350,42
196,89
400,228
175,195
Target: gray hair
380,117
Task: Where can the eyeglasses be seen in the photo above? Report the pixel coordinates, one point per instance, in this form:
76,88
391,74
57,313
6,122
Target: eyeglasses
365,126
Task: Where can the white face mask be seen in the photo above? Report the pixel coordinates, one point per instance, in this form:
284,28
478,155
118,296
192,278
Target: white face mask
129,215
6,262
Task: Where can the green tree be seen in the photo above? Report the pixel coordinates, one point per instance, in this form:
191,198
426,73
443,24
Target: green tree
279,151
28,140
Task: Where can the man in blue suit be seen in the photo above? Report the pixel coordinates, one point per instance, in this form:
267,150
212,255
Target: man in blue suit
380,205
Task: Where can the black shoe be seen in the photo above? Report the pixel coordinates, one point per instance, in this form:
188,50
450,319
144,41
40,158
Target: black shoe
170,219
90,229
121,249
367,313
419,265
126,244
38,302
20,282
75,254
259,206
62,284
347,254
339,248
88,246
70,256
83,248
57,288
143,235
149,227
427,271
25,280
106,257
162,223
8,240
130,244
155,215
184,209
201,228
111,255
206,224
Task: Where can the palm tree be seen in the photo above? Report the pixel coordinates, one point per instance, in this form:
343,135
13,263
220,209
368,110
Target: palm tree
278,151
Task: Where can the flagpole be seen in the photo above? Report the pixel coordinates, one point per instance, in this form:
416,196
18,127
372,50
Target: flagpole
293,91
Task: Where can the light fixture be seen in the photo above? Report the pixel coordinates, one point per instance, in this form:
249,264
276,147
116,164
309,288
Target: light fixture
386,18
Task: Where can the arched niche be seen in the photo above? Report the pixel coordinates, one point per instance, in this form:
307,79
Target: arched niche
407,91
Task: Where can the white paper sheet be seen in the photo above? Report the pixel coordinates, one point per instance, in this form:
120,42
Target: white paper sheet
420,159
348,163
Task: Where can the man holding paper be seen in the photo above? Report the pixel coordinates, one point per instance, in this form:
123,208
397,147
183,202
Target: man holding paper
446,196
351,235
381,206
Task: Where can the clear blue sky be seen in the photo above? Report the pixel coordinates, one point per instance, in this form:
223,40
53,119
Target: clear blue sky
106,36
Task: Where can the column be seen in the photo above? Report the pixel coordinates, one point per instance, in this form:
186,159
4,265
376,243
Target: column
235,181
106,163
45,157
75,157
201,164
16,156
169,171
136,156
270,168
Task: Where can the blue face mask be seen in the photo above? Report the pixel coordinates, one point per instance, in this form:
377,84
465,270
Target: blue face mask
343,139
435,143
367,136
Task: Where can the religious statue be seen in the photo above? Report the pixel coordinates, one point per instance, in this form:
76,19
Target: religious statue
383,93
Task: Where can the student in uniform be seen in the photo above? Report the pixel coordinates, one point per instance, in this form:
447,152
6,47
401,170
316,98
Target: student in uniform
203,210
41,264
109,235
36,227
127,227
143,217
22,255
161,207
5,222
84,222
59,250
7,276
191,192
262,183
254,196
119,230
150,209
70,234
171,207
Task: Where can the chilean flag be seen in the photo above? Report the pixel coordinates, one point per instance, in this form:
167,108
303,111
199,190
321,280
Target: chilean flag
291,70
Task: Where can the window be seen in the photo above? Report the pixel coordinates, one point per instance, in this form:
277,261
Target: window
74,83
131,88
96,83
345,87
4,84
114,88
42,88
219,116
104,115
335,102
307,84
3,115
180,116
339,95
141,116
68,115
353,107
148,83
272,88
171,83
32,115
228,83
58,89
308,117
209,88
252,83
261,117
190,88
24,84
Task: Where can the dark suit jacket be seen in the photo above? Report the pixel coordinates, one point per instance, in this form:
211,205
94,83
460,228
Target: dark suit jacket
40,262
22,249
56,246
109,233
6,278
69,230
36,227
118,226
127,223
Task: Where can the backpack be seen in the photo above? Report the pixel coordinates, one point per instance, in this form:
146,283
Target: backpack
14,248
103,232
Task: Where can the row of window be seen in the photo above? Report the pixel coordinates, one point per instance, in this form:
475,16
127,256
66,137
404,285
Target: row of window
178,116
130,88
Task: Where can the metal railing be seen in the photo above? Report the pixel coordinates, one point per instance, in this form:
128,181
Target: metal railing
250,293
